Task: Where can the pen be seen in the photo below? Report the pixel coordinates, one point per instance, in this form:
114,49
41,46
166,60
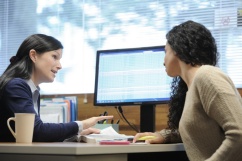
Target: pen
105,113
99,122
105,121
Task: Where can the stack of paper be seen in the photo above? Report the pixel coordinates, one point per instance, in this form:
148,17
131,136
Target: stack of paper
106,134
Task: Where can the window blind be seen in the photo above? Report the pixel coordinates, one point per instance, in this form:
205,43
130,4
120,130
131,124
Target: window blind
84,26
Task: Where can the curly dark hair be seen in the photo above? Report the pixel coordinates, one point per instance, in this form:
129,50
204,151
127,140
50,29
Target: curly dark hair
194,45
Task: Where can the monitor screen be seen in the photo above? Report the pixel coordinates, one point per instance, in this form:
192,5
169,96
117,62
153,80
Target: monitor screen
132,76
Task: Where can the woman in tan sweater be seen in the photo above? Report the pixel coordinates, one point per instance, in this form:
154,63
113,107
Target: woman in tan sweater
205,110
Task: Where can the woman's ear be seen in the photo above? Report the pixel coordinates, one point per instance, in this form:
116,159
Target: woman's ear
33,55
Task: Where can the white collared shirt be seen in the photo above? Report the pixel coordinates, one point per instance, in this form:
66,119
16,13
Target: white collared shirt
35,93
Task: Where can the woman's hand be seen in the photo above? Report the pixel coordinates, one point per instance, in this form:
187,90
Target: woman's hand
157,140
90,131
93,120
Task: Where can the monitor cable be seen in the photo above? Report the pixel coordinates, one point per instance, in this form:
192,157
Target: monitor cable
120,111
116,107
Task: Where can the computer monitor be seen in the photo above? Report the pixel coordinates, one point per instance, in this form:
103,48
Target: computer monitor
132,76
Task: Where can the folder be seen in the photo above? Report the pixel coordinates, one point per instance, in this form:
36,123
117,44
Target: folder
62,109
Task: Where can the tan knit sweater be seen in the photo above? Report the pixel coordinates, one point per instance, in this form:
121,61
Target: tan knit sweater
211,123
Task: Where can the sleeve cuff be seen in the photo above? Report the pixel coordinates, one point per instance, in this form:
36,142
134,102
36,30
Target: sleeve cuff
80,125
166,135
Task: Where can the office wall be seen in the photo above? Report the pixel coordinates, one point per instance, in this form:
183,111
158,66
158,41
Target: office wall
132,113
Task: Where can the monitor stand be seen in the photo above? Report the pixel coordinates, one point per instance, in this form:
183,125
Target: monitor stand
147,118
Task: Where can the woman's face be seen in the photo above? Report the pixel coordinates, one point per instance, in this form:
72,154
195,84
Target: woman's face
46,66
171,62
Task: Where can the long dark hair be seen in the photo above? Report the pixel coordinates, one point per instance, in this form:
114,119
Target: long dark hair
194,45
21,65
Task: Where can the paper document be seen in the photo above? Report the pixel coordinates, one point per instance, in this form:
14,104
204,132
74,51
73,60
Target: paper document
106,134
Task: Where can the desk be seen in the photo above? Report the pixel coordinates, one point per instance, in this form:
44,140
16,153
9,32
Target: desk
72,151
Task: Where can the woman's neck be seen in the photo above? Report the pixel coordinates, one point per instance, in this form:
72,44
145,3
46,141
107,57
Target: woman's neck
188,72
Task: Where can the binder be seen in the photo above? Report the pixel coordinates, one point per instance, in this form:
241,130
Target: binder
58,110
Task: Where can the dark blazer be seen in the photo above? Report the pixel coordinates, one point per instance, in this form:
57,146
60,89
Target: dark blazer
17,98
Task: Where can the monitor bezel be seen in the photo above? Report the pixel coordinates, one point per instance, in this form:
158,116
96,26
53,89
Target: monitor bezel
165,101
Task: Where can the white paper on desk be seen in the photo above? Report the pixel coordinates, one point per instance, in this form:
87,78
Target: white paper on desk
109,131
106,134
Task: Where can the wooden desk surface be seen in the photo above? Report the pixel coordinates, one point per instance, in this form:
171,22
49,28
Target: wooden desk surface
73,148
